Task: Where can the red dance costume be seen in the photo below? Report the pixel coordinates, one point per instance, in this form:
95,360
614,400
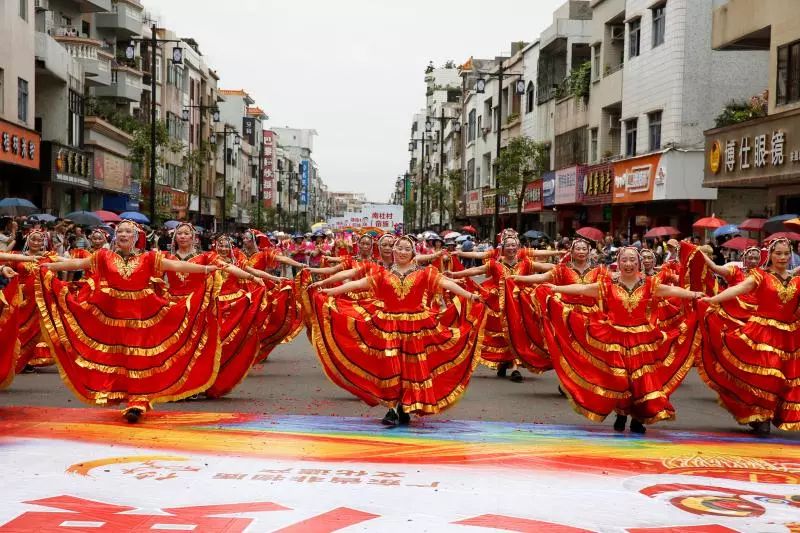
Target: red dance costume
9,330
33,350
242,311
396,351
754,366
284,320
619,358
118,339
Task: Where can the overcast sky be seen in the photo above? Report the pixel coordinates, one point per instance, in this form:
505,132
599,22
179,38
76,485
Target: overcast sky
351,69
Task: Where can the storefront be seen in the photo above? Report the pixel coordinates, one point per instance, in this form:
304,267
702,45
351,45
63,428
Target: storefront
569,215
19,161
112,169
594,195
548,215
532,206
758,155
68,178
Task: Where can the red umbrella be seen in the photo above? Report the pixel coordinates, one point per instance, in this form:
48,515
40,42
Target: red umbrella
108,216
711,222
469,229
753,224
791,235
661,231
740,243
593,234
793,224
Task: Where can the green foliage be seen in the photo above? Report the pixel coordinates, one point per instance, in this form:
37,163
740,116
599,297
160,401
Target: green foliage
736,112
511,118
522,160
108,111
577,81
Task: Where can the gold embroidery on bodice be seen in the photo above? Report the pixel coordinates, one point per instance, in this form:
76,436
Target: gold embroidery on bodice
127,266
402,283
785,288
630,298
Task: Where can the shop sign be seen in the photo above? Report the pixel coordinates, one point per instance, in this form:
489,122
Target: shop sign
532,202
597,185
488,203
634,178
549,189
759,149
567,180
70,166
19,146
474,203
111,172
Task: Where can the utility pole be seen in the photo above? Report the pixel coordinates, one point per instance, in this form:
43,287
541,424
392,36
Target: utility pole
153,58
200,177
496,221
260,184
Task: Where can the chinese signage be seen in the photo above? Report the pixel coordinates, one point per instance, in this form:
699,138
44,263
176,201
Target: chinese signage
549,189
532,201
249,130
567,180
388,217
19,146
474,203
597,185
111,172
304,182
68,165
268,178
634,178
759,149
488,203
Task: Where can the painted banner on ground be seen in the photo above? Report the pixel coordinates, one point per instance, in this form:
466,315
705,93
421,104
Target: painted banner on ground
84,469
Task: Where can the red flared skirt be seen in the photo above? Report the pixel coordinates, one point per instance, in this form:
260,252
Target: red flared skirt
419,361
525,328
113,344
9,331
604,367
283,318
753,366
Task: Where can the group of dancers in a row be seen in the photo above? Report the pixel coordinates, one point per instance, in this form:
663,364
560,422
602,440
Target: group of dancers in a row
407,330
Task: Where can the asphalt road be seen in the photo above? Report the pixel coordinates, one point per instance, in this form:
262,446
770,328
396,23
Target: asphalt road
292,382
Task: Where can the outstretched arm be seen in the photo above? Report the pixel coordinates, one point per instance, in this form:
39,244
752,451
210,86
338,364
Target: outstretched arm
544,253
185,267
344,275
456,289
533,278
732,292
475,271
18,257
357,285
72,265
241,274
719,270
670,291
326,271
263,275
473,255
7,272
578,289
289,261
425,259
543,267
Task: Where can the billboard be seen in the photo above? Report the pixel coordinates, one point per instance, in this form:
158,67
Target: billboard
388,217
532,202
304,182
549,189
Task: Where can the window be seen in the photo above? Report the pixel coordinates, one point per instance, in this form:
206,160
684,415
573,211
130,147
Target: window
471,126
471,175
654,125
788,79
22,100
630,136
530,98
23,10
75,121
593,145
659,24
634,37
480,124
596,62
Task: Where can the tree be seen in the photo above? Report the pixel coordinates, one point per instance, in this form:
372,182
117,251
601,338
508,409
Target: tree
521,161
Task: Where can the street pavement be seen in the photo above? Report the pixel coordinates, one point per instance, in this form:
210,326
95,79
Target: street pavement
291,382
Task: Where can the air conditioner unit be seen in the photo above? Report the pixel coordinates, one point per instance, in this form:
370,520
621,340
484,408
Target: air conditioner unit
618,33
42,5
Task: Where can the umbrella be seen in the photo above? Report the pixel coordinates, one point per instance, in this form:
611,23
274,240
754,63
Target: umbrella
711,222
463,238
661,231
469,229
535,234
135,216
108,216
727,229
791,235
84,218
775,224
319,226
740,243
17,206
593,234
793,224
171,224
429,235
372,232
451,235
44,217
753,224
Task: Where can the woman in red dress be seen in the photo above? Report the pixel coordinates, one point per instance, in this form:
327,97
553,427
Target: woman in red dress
511,333
401,354
283,320
754,365
33,352
619,359
118,339
9,321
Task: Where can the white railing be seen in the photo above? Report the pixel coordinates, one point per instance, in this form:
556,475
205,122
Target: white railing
82,50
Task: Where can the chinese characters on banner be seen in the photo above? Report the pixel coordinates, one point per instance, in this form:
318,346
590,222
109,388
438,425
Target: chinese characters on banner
19,146
388,217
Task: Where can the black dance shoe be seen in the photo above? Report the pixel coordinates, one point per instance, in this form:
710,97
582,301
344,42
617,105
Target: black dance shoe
763,429
133,415
29,369
390,419
404,418
516,376
619,423
561,391
501,370
637,427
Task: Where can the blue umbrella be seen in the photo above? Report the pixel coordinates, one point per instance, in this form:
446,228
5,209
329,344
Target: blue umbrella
17,206
84,218
44,217
535,234
171,224
775,224
462,238
727,229
135,216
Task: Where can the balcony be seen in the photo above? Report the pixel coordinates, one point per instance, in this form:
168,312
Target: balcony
52,59
96,61
126,84
571,113
93,6
124,20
